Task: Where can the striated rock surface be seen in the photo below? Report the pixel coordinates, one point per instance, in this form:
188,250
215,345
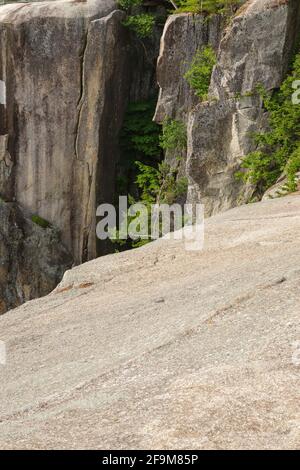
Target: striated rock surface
70,69
219,133
101,108
183,34
256,48
32,258
42,61
201,349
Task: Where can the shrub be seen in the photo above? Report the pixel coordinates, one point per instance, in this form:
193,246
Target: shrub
128,4
156,185
40,221
160,185
143,174
140,134
199,74
149,182
139,140
173,135
189,6
278,149
292,168
142,24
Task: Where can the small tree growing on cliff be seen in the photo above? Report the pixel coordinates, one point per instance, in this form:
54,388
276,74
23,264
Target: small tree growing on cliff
127,5
141,23
199,74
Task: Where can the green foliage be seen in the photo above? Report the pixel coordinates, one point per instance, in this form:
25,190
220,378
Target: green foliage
279,148
142,24
159,185
139,141
292,168
148,181
156,185
142,174
172,187
174,135
141,144
140,149
126,5
193,6
199,74
40,221
209,7
140,134
189,6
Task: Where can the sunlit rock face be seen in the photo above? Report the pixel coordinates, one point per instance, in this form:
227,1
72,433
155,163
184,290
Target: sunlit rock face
255,48
43,66
70,69
182,36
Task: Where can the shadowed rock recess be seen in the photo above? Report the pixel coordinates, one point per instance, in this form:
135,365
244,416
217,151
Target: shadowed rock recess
33,260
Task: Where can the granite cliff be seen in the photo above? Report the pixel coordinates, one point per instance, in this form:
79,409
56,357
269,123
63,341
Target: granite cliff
69,68
68,71
254,49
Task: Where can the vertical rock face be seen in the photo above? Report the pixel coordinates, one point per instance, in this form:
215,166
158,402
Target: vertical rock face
70,69
182,36
67,72
100,111
114,72
42,64
256,48
219,133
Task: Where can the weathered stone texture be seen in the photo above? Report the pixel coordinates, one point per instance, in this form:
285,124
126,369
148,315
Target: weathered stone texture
201,349
32,258
183,35
42,65
219,133
69,68
256,48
